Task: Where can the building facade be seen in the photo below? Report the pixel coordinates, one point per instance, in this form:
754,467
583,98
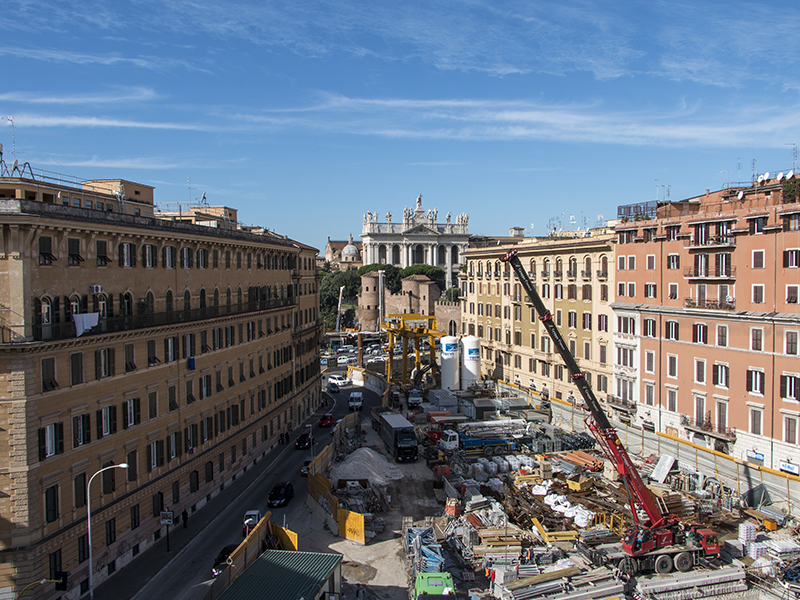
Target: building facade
574,277
417,239
180,349
707,320
343,255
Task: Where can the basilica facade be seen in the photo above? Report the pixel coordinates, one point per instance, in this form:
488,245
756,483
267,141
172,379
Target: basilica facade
418,239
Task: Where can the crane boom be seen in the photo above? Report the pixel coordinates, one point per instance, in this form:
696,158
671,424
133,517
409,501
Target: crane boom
598,422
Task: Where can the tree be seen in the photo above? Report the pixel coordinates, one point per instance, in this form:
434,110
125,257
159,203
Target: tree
329,293
452,294
391,276
435,273
791,190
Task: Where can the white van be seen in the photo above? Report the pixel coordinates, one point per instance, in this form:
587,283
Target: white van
342,361
356,400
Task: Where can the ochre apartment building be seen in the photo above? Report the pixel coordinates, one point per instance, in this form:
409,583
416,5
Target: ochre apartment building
707,323
182,349
574,275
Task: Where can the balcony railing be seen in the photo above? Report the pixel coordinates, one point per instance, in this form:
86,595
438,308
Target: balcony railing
61,331
711,240
710,273
545,274
586,274
621,403
727,304
572,274
532,274
558,274
602,274
707,426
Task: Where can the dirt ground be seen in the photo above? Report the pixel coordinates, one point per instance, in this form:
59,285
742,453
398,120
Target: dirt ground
379,567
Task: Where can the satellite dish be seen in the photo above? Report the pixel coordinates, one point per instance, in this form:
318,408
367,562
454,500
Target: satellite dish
1,149
790,174
15,166
780,175
740,195
572,219
766,176
760,178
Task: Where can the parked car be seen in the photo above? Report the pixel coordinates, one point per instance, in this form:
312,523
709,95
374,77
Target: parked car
251,517
333,387
304,468
339,380
281,494
221,562
327,420
303,442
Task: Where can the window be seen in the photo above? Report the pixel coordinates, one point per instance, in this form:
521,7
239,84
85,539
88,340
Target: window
700,333
51,440
757,339
104,363
790,387
790,429
170,349
51,503
587,350
172,398
722,335
602,322
204,386
202,258
133,473
587,320
673,262
572,317
649,327
127,254
603,358
673,291
650,261
632,290
586,292
149,255
76,368
758,224
111,531
649,394
152,405
106,421
176,492
672,330
55,565
81,430
699,370
649,361
626,325
756,416
650,290
131,413
631,263
621,289
49,374
755,381
155,457
721,375
791,294
79,490
625,356
130,363
174,445
168,256
758,259
134,516
46,256
672,365
758,293
791,342
83,548
74,257
620,263
187,258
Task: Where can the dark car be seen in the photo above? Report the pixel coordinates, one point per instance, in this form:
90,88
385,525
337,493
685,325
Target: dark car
304,468
281,494
333,387
303,442
221,562
327,420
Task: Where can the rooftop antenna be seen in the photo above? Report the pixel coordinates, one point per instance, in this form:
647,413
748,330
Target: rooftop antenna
739,167
794,156
668,190
729,177
656,180
10,119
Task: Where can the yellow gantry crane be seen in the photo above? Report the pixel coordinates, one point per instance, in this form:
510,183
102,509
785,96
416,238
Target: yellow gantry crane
410,327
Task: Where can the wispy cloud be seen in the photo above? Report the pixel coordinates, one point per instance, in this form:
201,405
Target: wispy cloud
80,58
115,163
135,94
33,120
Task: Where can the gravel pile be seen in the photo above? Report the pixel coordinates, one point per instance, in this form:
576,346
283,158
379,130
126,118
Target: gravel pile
366,463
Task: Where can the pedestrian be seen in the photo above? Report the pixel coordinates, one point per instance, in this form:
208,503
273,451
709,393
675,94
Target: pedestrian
185,518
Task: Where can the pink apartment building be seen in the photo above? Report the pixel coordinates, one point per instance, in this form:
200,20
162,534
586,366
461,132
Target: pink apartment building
707,321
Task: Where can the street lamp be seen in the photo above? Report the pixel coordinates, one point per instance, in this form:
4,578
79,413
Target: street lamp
89,520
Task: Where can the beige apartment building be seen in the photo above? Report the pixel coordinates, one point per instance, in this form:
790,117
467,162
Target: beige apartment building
574,277
707,321
181,349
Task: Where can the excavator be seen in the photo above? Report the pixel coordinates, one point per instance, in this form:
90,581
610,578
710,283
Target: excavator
661,542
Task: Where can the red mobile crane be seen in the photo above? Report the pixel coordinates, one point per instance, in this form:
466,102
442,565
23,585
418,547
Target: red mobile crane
662,541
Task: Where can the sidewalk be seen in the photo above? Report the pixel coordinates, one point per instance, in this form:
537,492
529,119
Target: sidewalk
125,584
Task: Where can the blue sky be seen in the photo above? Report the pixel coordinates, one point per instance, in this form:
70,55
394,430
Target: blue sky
305,115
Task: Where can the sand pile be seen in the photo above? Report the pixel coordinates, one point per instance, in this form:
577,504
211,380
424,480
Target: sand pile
366,463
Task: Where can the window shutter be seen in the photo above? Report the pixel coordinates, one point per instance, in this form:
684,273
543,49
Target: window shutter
784,379
121,253
125,415
87,429
715,374
694,333
164,256
749,381
177,443
98,369
111,362
85,304
112,410
57,309
59,431
194,432
160,452
76,438
133,254
110,305
42,445
155,256
149,457
99,415
785,259
67,309
137,411
751,226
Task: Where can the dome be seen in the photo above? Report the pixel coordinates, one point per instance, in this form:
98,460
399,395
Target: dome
350,249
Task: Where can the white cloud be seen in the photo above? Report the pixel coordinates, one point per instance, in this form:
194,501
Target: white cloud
119,95
32,120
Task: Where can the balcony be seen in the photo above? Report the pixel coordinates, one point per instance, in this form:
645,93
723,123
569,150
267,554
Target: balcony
506,274
572,274
713,241
516,298
602,274
728,304
586,274
558,274
707,427
532,274
546,274
728,272
62,331
627,406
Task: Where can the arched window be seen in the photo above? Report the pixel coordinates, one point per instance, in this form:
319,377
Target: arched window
395,254
441,257
382,254
454,255
546,267
187,300
587,266
239,296
169,302
216,297
47,311
127,304
559,266
604,264
419,254
102,306
228,297
149,303
573,264
202,298
75,304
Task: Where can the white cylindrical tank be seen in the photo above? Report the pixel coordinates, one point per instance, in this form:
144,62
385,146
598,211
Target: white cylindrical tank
450,362
470,360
